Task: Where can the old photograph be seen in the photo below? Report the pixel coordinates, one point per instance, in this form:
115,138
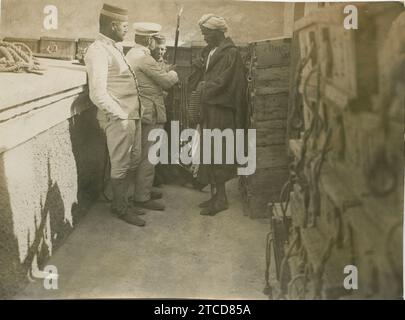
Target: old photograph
201,149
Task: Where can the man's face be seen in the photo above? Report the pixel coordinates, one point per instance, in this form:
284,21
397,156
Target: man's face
210,36
120,30
159,52
152,44
162,50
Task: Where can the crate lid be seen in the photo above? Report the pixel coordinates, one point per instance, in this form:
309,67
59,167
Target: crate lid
57,39
87,39
276,39
12,39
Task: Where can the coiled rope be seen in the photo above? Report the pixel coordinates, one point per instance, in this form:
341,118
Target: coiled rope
17,57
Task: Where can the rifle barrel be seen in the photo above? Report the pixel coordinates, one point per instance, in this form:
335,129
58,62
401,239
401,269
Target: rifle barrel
176,41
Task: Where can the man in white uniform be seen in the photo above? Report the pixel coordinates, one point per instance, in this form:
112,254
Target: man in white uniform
152,79
113,89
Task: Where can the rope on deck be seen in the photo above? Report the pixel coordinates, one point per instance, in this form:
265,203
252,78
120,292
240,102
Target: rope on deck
17,57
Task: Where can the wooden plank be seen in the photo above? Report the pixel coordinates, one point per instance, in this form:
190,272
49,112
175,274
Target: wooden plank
58,47
270,107
270,136
271,80
82,45
269,124
271,53
293,90
261,188
33,44
295,146
183,57
271,156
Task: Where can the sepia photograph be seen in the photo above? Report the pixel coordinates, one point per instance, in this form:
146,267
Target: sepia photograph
200,149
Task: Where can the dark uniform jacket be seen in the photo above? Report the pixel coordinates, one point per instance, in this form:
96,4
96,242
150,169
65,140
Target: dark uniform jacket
223,100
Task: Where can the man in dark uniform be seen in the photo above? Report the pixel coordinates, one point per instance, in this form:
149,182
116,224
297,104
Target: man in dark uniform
223,102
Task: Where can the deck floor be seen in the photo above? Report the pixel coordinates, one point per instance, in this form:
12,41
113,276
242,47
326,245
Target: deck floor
178,254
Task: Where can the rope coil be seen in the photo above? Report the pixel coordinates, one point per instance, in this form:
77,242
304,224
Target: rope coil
17,57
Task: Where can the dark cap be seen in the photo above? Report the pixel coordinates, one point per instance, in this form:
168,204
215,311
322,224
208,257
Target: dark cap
114,12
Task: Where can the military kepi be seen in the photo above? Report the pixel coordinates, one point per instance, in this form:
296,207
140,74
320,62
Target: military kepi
114,12
160,39
147,28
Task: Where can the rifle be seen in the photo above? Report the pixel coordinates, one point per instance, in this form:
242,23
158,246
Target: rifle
174,91
176,41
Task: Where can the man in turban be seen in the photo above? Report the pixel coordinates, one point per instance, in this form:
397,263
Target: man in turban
113,89
220,74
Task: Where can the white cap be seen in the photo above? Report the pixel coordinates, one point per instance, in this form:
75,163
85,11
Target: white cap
146,28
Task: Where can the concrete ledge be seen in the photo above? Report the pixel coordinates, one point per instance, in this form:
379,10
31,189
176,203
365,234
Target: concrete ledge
51,166
21,88
33,104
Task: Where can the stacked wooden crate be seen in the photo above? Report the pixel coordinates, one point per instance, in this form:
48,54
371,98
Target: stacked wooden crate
55,48
268,87
33,44
347,205
82,45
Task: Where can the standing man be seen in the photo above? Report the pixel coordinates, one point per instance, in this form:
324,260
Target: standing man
153,79
113,89
160,51
222,84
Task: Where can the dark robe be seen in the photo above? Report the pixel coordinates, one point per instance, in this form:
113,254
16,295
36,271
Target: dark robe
223,103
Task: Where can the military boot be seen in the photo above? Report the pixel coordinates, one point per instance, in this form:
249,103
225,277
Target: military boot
120,205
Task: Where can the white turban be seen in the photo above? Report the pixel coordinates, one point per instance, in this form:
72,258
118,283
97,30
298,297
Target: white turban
213,22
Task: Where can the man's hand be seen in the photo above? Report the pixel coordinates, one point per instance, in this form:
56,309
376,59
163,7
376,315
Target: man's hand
200,87
173,74
172,67
198,63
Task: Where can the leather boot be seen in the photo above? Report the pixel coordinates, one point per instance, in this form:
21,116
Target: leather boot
151,205
207,203
156,195
120,206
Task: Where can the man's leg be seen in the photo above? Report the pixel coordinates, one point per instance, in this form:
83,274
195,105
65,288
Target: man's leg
218,203
206,203
120,140
145,173
136,153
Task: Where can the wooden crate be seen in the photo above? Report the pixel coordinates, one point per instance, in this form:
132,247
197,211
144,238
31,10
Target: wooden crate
273,156
271,80
271,53
270,136
261,188
350,212
196,49
183,58
270,107
58,48
82,45
33,44
268,115
270,132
